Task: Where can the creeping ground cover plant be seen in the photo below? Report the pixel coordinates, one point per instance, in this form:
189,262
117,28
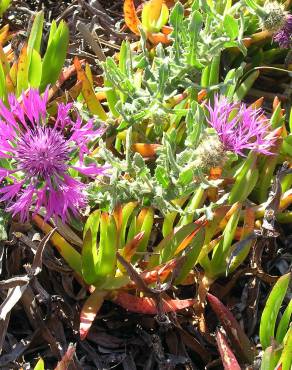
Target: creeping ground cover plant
146,186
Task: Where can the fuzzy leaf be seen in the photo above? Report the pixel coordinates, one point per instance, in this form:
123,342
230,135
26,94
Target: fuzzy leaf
231,26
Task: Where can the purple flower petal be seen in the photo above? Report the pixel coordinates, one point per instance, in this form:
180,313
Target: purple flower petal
92,170
63,118
22,204
10,191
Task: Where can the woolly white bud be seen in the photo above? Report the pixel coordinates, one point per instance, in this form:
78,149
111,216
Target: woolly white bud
210,153
274,16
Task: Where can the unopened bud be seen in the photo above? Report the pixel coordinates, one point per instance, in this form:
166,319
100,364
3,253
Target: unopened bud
210,153
273,17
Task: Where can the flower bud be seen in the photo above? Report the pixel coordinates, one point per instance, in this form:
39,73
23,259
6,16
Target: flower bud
273,17
210,153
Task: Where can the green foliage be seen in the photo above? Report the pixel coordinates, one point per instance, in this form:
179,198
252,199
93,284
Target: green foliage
155,99
277,344
271,312
4,5
198,40
31,69
55,55
40,365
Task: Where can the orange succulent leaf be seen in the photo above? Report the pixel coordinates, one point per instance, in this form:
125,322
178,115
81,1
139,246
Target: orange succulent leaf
166,30
249,222
247,41
190,237
160,272
258,103
100,95
215,173
229,213
155,8
146,150
130,248
131,18
118,216
159,37
4,61
248,226
13,73
91,100
22,71
240,341
9,84
148,306
259,37
4,32
157,274
202,95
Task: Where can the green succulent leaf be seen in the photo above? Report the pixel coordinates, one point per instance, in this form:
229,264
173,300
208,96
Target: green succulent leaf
55,54
271,310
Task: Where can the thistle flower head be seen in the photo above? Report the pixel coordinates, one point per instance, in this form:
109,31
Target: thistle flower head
240,127
40,156
273,16
284,36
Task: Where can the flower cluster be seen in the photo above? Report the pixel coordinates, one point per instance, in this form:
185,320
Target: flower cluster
284,36
275,19
240,127
40,157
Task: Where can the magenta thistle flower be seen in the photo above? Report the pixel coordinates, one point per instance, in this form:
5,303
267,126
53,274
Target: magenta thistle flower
40,156
284,36
240,127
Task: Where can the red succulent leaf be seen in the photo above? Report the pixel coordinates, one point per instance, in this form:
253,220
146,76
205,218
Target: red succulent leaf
148,306
67,358
228,358
236,335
